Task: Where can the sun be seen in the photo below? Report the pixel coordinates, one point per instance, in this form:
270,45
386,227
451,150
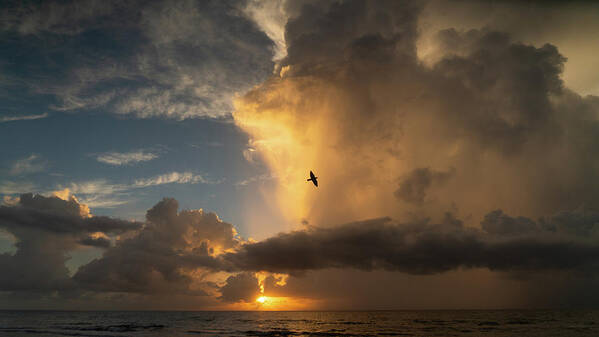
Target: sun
261,299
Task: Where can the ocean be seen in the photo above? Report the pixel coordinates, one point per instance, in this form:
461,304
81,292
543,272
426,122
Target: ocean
363,323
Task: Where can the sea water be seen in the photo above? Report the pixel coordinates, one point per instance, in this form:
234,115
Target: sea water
363,323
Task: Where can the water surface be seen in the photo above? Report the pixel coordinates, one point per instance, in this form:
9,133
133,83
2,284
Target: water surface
365,323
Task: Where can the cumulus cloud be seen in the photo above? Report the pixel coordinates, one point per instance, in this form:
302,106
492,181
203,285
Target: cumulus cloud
60,216
125,158
356,105
241,287
485,124
46,229
187,251
164,256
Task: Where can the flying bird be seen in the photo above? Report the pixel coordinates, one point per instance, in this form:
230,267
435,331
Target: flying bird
313,179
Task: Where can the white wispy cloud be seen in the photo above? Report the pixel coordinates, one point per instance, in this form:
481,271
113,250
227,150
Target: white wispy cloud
271,18
30,164
22,118
174,177
126,158
164,77
262,177
13,187
101,193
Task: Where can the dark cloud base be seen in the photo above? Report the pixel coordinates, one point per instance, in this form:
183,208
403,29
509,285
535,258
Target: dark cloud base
563,242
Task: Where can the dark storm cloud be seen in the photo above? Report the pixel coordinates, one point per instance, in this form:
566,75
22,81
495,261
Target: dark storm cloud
509,86
505,244
46,229
324,30
413,187
241,287
156,260
176,250
59,216
95,242
491,108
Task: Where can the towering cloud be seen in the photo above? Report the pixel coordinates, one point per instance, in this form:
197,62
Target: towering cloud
485,124
489,125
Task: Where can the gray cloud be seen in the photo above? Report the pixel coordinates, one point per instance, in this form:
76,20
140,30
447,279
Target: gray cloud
156,260
95,242
413,187
55,215
504,244
176,251
53,16
492,108
46,229
241,287
175,60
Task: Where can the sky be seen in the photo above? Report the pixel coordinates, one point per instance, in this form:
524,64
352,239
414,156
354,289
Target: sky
155,154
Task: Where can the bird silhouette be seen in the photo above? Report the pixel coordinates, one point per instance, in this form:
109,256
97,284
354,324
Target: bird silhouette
313,179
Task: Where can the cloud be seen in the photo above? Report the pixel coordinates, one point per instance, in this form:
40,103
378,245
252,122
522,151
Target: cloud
157,60
22,118
241,287
95,242
101,193
125,158
484,128
8,187
31,164
54,16
412,188
47,229
53,214
504,244
262,177
271,17
356,105
173,177
163,257
536,24
189,251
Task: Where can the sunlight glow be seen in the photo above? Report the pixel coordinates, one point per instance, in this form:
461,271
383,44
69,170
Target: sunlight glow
261,299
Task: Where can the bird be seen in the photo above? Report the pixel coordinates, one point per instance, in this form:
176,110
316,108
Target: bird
313,179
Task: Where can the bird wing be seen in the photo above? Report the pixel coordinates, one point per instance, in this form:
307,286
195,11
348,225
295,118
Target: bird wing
312,175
